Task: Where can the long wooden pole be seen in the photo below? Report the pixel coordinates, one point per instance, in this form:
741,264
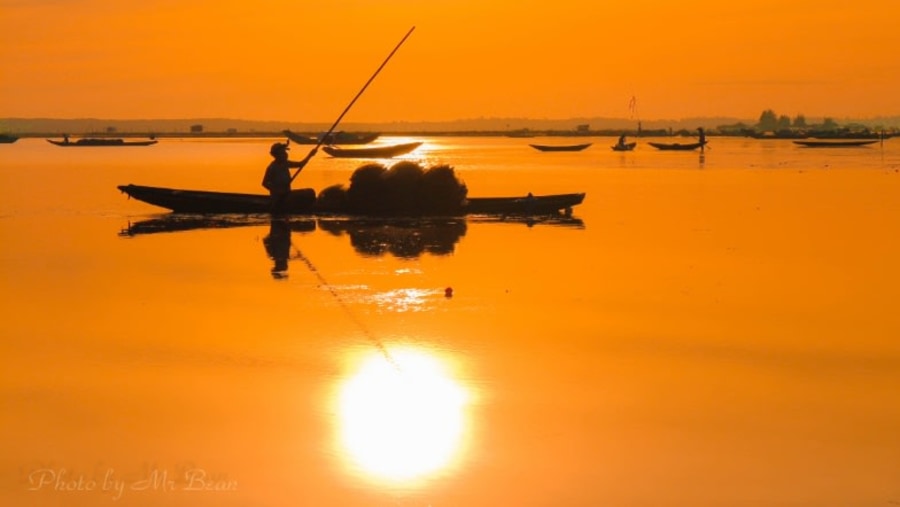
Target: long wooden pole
335,124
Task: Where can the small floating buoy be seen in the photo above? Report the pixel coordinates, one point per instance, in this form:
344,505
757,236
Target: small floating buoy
448,292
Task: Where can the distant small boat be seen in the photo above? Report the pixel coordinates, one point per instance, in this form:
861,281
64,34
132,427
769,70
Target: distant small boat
332,138
677,146
386,151
624,147
6,139
683,147
88,141
818,134
299,138
568,147
835,144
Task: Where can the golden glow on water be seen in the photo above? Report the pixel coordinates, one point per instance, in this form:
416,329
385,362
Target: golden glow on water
402,419
404,300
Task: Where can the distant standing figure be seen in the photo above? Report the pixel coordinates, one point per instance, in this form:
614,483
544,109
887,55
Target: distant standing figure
702,138
66,138
277,179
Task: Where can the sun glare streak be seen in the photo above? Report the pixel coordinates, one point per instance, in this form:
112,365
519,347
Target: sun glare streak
401,421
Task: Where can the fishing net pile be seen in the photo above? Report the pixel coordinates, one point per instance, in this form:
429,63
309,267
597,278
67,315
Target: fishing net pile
405,188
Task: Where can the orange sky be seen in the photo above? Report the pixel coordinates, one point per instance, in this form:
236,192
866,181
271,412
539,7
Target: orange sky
304,61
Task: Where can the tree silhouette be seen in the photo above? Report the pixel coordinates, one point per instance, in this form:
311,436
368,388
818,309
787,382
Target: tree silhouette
768,120
784,122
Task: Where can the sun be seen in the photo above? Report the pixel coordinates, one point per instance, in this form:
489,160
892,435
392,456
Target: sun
401,417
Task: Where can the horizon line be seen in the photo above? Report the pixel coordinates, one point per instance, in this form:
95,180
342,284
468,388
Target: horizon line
457,120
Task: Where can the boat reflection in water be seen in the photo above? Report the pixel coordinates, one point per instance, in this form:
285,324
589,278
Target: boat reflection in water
277,242
176,222
403,238
401,417
406,238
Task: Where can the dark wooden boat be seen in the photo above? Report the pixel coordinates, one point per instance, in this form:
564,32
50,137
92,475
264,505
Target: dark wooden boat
6,139
386,151
567,147
333,138
677,146
88,141
528,205
624,147
303,202
836,144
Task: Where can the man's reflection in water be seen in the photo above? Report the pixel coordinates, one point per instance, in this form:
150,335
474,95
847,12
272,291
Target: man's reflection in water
278,246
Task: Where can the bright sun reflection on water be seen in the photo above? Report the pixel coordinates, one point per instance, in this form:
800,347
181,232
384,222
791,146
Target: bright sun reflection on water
402,419
404,300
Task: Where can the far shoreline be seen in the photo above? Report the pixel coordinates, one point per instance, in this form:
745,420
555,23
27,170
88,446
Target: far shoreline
199,128
869,134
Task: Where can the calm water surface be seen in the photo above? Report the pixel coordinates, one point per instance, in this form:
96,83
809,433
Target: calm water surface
715,330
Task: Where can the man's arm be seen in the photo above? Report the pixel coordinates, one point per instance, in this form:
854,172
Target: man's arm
301,164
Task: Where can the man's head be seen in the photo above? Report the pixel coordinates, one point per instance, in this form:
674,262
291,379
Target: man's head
279,150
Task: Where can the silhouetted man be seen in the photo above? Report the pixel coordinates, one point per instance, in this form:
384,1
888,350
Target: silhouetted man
277,179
